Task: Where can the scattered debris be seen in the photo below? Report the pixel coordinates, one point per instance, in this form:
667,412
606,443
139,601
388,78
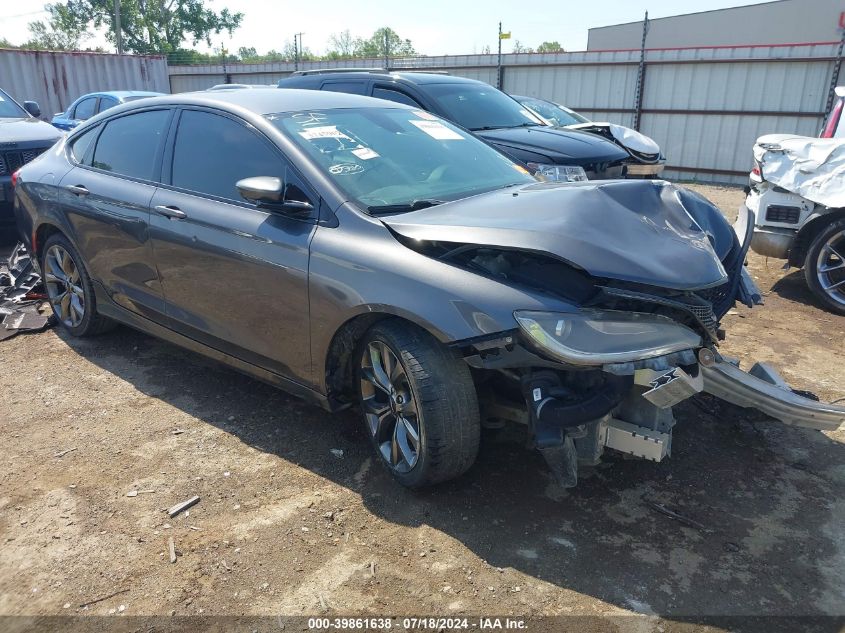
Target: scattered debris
171,546
96,600
179,507
132,493
337,452
21,296
177,431
64,452
193,527
323,603
678,517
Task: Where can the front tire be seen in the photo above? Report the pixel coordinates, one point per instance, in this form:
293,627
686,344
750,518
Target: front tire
69,288
419,404
824,267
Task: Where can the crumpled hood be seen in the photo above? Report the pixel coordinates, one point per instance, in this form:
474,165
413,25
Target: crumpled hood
811,167
25,130
578,148
625,136
637,231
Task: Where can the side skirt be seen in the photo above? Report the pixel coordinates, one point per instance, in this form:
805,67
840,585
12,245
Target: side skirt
108,308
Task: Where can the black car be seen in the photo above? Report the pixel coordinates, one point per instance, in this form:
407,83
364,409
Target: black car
559,155
360,252
22,137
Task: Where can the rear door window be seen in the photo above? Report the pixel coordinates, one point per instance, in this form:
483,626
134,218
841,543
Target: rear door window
81,144
106,103
130,145
85,109
395,95
349,87
213,152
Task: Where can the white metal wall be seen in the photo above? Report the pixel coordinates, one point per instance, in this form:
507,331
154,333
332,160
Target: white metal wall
55,80
705,106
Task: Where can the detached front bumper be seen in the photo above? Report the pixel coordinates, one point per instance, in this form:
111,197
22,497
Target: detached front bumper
763,389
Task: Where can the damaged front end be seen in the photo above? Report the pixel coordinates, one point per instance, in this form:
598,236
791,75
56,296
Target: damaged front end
649,286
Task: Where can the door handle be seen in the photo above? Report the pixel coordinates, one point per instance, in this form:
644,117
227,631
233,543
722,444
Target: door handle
174,213
78,190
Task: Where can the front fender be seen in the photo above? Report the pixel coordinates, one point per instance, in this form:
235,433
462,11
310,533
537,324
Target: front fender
363,269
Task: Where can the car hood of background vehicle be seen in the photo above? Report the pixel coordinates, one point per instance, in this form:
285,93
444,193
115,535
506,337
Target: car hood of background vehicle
636,231
628,138
560,145
25,130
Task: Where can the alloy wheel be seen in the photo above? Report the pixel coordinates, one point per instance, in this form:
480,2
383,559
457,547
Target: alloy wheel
64,286
390,407
830,267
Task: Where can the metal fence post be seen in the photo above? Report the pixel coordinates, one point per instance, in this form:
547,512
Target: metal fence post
638,95
834,78
499,62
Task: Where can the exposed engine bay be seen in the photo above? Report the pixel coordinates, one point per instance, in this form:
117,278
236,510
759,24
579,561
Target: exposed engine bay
637,342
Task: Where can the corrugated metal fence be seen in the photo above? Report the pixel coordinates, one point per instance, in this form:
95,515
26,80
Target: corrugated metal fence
55,80
705,106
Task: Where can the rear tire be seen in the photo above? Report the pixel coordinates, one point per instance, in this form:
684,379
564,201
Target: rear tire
419,404
824,267
69,288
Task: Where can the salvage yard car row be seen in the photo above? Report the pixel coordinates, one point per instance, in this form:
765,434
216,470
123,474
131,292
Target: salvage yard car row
397,263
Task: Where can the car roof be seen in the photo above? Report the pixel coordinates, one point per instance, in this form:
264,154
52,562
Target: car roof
121,94
270,101
410,77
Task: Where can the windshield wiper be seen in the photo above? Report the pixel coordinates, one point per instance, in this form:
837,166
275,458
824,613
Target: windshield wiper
505,127
414,205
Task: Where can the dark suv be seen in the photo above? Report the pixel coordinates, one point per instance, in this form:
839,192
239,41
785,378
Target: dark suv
22,137
558,155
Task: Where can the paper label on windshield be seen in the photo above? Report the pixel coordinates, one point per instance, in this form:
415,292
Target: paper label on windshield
324,131
435,129
365,153
428,116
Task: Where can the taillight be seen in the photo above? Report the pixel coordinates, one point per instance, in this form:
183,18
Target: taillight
833,120
15,177
756,171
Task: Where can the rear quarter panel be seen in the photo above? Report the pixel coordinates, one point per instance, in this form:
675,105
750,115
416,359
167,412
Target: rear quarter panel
36,195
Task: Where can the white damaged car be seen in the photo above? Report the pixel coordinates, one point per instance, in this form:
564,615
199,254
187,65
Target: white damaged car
797,194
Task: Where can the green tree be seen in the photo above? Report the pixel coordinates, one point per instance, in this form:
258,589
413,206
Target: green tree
247,54
384,42
63,32
519,47
341,45
147,26
550,47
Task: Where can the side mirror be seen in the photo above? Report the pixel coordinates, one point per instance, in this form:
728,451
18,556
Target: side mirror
33,108
268,192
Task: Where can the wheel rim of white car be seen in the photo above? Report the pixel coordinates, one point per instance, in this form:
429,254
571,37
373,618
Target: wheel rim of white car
830,267
64,286
389,407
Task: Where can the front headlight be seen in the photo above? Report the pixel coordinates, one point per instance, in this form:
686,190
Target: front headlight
559,173
598,337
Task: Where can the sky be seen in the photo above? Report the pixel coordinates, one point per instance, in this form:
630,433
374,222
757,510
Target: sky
435,27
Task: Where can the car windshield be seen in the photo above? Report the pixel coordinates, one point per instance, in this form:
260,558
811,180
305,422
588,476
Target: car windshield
554,113
390,160
480,107
9,109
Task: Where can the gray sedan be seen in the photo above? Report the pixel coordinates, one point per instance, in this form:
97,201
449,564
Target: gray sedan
356,252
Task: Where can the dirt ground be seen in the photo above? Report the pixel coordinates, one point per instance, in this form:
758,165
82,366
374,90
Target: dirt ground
285,526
